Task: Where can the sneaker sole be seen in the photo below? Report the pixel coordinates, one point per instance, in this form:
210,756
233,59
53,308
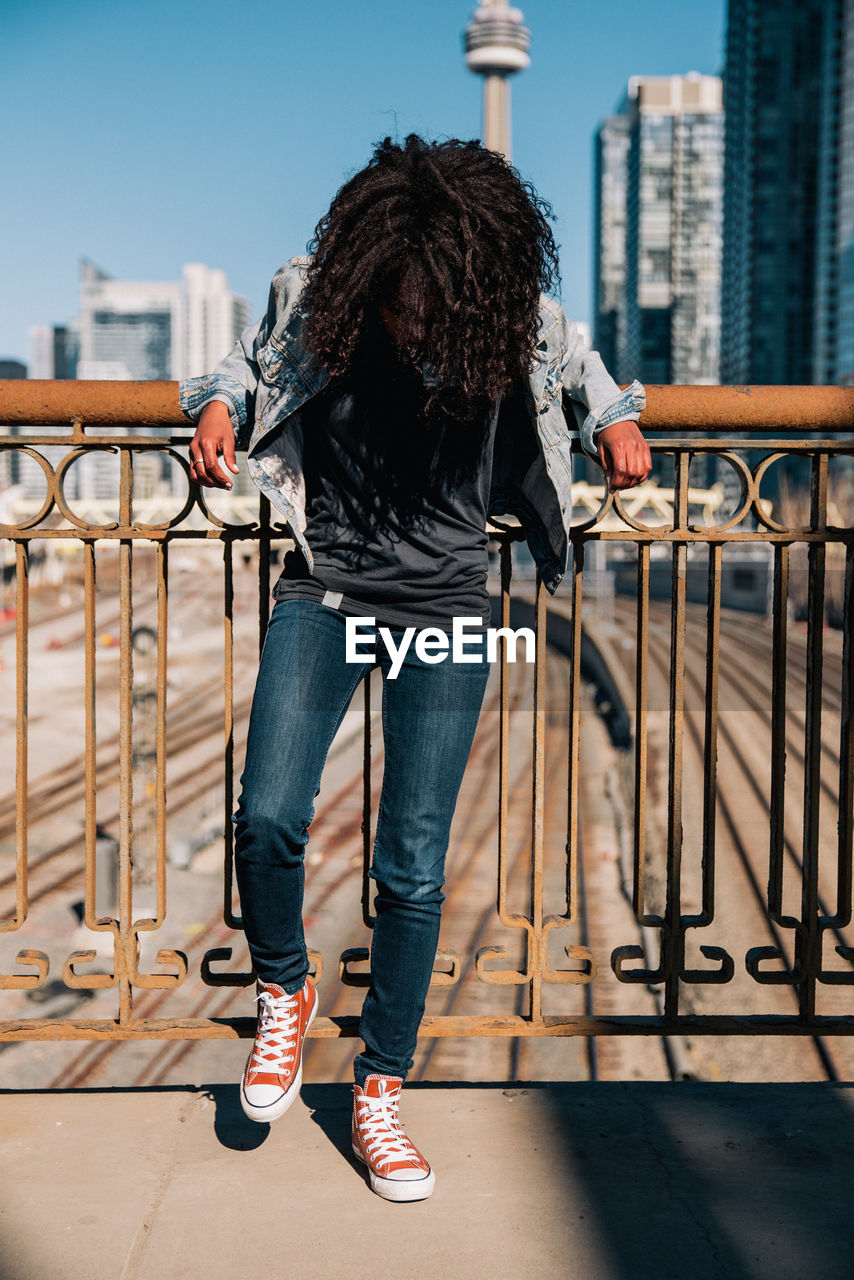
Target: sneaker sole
398,1189
262,1115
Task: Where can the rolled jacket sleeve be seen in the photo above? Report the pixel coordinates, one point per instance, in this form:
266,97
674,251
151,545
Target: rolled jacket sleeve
234,380
588,382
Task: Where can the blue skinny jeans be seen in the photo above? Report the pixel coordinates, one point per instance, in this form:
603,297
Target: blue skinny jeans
429,715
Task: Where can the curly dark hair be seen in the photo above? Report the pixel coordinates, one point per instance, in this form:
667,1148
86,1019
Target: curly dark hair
452,239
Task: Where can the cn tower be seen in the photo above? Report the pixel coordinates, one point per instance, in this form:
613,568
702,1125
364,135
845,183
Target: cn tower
496,44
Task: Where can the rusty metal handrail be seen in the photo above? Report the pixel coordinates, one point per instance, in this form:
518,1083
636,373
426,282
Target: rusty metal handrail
679,408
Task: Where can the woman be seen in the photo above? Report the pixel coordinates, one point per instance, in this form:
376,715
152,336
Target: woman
405,382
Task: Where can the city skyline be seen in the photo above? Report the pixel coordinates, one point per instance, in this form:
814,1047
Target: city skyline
141,329
141,157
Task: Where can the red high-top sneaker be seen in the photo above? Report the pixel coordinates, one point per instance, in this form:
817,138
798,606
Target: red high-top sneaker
397,1168
273,1073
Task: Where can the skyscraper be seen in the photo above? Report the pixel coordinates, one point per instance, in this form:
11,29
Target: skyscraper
53,351
129,329
611,161
213,319
659,172
788,263
143,330
844,240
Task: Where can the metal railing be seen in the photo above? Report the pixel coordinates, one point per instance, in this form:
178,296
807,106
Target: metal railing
735,425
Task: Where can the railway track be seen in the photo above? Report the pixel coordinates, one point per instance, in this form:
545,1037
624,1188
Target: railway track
467,922
742,800
340,891
471,865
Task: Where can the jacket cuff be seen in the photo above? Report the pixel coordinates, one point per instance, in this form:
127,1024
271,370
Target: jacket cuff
627,407
194,394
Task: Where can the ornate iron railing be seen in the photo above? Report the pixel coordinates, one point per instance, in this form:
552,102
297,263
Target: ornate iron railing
750,431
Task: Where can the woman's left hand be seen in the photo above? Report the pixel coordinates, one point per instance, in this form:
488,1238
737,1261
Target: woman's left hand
624,454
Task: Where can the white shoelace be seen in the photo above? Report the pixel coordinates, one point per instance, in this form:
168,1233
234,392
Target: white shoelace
275,1038
380,1131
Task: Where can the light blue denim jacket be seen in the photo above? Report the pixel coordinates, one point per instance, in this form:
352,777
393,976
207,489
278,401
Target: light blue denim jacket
270,374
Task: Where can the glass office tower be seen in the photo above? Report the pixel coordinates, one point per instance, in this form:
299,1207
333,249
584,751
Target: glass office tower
788,262
659,168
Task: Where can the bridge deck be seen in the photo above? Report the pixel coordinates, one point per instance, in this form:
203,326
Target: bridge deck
595,1182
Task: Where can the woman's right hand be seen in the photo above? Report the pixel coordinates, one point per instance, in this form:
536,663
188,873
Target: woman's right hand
214,438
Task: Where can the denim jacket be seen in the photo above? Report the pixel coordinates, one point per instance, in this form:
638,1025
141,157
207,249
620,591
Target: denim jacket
270,374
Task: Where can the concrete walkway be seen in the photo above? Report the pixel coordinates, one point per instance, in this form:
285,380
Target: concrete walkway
577,1181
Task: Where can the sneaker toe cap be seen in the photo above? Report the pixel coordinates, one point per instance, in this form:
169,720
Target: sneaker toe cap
263,1095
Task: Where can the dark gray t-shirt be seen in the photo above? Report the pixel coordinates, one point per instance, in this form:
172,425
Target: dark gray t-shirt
395,505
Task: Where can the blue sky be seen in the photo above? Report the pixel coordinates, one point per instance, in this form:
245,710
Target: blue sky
147,135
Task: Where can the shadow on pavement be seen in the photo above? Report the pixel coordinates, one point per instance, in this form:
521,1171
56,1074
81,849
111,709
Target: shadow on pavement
232,1126
713,1180
331,1107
